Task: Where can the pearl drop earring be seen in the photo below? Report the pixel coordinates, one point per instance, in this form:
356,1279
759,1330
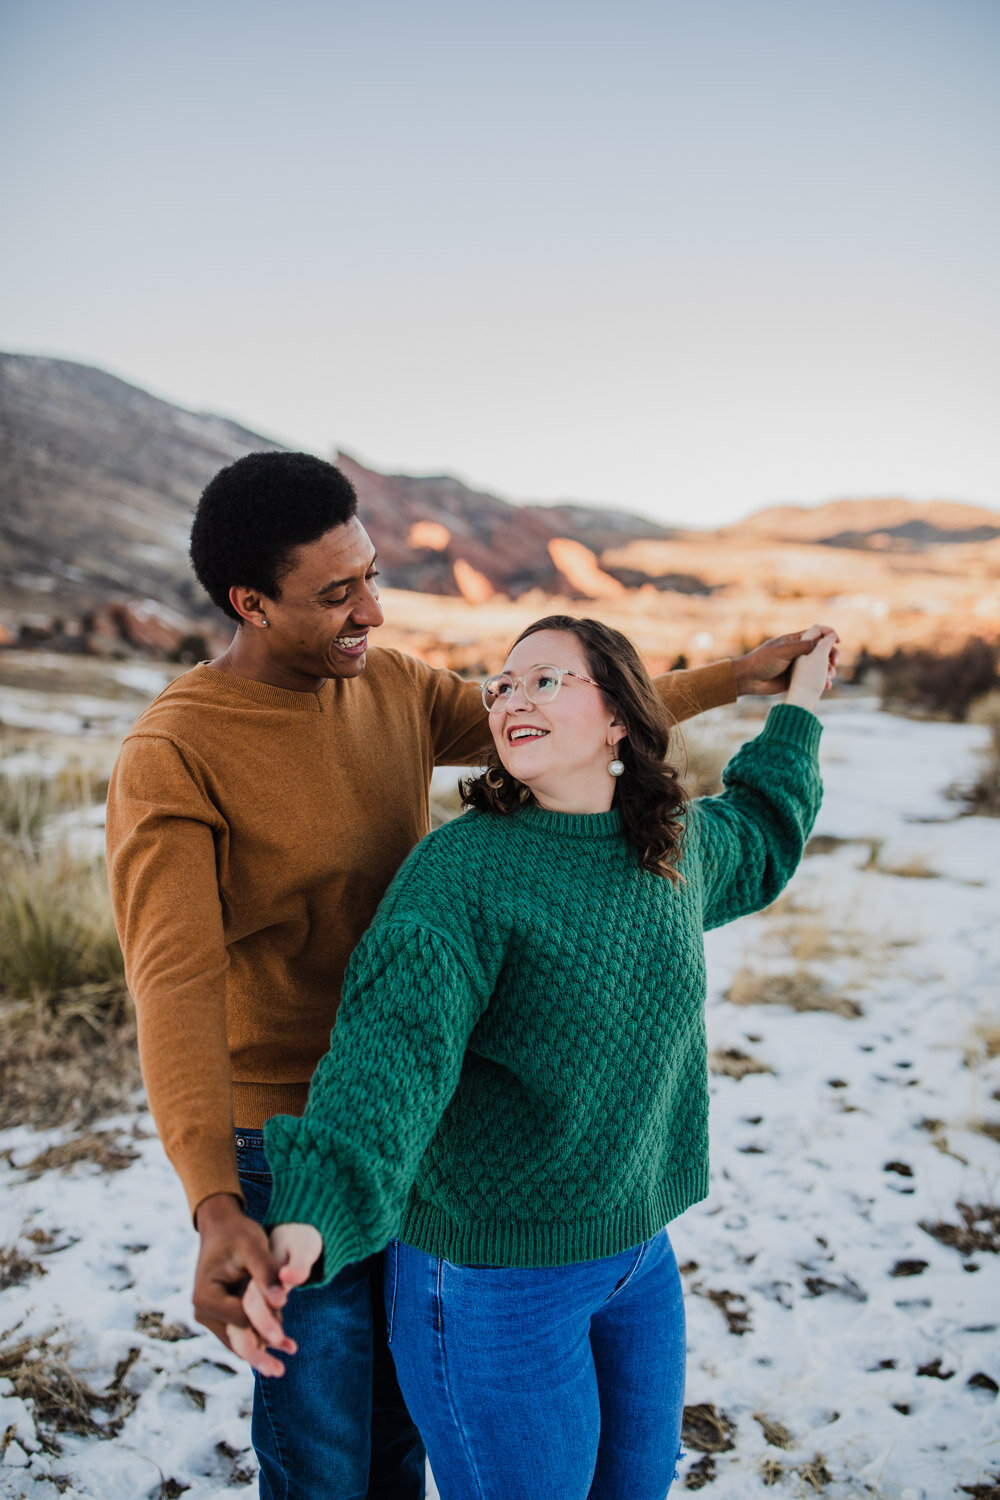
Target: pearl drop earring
616,767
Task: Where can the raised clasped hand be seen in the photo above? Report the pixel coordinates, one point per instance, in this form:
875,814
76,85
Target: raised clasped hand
813,674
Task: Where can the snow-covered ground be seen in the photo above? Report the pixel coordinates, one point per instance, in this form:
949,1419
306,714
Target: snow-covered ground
846,1350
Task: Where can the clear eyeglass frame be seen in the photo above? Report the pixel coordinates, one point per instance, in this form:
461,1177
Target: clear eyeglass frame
540,685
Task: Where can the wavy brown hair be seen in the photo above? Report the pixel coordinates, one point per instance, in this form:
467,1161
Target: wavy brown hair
649,794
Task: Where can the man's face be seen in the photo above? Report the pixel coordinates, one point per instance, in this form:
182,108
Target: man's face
328,602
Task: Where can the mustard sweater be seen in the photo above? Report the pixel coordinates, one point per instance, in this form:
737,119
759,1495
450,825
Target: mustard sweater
251,833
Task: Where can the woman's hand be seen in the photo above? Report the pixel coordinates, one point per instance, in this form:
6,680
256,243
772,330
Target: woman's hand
811,675
295,1248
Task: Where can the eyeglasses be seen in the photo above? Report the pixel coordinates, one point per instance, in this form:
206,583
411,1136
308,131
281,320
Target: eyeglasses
540,685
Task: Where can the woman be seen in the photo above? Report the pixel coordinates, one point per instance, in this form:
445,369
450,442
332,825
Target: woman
517,1081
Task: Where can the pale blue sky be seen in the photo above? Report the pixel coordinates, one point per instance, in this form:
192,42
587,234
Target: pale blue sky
687,258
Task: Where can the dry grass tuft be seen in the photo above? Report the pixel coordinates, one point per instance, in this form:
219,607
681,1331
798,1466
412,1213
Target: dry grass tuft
800,991
990,1490
56,1071
982,795
734,1308
914,867
771,1472
16,1267
56,929
774,1433
730,1062
806,940
108,1150
988,1034
701,749
62,1400
824,843
700,1474
978,1231
815,1473
152,1323
708,1429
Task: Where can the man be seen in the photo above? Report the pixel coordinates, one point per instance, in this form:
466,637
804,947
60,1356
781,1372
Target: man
258,810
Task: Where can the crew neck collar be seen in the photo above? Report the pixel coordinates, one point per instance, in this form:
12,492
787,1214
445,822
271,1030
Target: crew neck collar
572,825
251,690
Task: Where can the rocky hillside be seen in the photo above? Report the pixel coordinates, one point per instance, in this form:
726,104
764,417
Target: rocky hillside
98,480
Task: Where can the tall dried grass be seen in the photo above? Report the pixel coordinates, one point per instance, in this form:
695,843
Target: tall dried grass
67,1032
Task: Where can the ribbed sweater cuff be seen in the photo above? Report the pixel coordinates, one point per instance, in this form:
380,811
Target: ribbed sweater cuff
795,726
297,1198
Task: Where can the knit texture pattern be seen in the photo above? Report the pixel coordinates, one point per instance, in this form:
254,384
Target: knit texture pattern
518,1074
252,832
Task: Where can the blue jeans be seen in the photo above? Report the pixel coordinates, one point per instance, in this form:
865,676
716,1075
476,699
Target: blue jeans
563,1382
334,1426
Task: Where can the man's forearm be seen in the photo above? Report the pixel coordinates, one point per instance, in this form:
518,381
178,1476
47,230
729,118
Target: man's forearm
687,693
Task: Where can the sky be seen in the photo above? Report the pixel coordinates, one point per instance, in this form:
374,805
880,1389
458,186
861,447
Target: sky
689,259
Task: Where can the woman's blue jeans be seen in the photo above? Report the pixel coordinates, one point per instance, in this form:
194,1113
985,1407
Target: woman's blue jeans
563,1382
334,1426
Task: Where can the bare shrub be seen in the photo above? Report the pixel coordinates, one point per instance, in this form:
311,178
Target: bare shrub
800,991
982,794
943,685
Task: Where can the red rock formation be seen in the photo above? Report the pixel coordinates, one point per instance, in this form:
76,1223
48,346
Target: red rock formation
580,568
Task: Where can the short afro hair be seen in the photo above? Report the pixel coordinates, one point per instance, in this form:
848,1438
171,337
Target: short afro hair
255,512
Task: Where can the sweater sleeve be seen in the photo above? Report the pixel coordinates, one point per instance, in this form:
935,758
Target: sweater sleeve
750,839
685,694
460,730
408,1009
161,831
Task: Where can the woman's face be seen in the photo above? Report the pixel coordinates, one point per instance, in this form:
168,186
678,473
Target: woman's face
560,749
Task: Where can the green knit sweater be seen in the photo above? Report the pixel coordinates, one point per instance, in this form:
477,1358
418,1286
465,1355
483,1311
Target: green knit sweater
518,1073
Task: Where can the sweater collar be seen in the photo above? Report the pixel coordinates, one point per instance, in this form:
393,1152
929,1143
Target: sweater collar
249,690
572,825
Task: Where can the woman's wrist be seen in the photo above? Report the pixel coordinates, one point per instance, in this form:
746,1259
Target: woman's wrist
798,696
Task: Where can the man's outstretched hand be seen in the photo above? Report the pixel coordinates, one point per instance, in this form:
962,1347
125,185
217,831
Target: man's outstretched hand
234,1254
768,668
